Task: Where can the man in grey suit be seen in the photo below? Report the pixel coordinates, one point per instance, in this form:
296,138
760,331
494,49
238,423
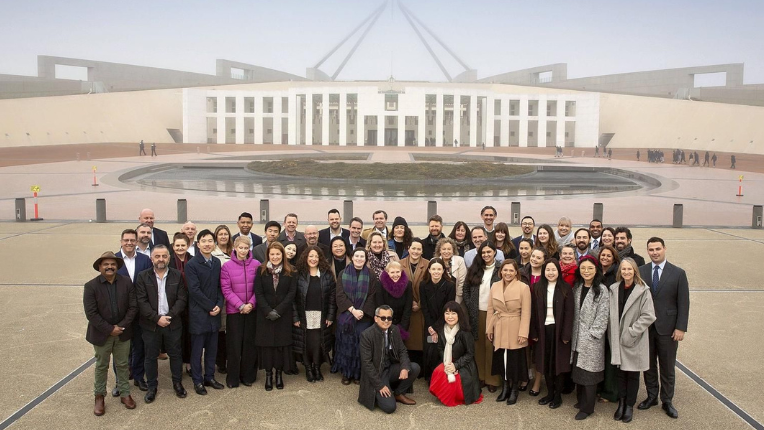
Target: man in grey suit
671,299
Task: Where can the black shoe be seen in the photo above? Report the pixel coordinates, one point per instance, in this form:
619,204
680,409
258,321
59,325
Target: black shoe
556,403
222,369
546,399
200,390
648,403
534,393
115,392
317,373
179,390
150,395
231,386
294,371
188,371
512,399
141,384
670,410
618,416
505,388
523,387
279,381
577,406
214,384
581,416
268,381
246,384
628,413
309,375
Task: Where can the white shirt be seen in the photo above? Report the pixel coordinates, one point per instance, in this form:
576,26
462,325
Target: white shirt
129,263
660,269
595,244
191,250
147,252
550,304
485,287
332,235
163,307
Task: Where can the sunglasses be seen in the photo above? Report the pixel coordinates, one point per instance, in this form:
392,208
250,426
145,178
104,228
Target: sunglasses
385,318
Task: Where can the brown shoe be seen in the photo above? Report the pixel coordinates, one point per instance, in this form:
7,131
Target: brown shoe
99,408
401,398
128,402
162,356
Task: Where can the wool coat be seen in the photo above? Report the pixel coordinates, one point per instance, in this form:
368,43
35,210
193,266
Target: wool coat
434,297
458,274
472,300
204,293
328,313
463,357
416,323
590,322
279,298
562,308
509,314
629,340
369,305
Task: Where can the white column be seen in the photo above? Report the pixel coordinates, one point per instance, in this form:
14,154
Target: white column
259,125
401,130
325,119
504,135
488,113
439,119
523,129
277,115
457,119
308,118
421,129
473,121
293,119
342,115
560,122
381,130
240,119
542,118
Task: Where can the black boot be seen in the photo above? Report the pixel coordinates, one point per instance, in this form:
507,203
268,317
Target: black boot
279,381
628,413
268,381
504,392
514,392
317,372
619,411
309,375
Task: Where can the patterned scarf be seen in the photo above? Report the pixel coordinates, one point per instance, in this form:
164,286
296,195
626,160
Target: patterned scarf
274,271
625,252
378,264
356,287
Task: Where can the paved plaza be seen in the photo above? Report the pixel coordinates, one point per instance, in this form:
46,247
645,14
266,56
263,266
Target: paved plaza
48,362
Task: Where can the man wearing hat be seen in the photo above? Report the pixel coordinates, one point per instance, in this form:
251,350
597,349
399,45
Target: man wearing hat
110,307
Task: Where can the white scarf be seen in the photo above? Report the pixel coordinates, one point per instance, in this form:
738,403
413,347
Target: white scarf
450,335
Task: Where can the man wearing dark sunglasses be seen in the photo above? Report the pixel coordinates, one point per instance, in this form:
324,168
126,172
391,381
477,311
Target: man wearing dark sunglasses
386,371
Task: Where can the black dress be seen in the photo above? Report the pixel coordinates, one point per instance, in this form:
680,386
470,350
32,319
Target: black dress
433,298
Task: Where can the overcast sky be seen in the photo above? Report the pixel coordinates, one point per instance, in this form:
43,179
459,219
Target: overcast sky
592,37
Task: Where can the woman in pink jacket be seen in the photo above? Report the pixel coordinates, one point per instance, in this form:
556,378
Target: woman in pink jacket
237,280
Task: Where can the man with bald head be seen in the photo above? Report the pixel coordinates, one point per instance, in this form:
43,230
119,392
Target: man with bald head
189,229
158,236
311,238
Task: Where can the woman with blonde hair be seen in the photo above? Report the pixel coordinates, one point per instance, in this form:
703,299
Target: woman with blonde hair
378,254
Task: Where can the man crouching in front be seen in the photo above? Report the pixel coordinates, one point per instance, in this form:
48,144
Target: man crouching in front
386,372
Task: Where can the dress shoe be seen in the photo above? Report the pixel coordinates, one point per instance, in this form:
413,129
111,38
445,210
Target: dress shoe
141,384
99,408
670,410
401,398
648,403
150,395
268,381
128,402
214,384
523,387
162,356
505,388
115,392
357,381
581,416
618,416
317,373
513,394
345,381
245,383
279,381
534,393
628,413
491,388
200,390
294,371
179,390
222,369
556,403
546,399
309,375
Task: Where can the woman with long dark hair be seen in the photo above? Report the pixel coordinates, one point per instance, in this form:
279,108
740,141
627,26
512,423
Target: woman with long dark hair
460,235
445,249
551,330
502,240
399,237
524,249
340,258
607,390
545,239
437,289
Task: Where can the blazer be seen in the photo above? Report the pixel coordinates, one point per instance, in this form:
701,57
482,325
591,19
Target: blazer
372,348
255,239
629,340
590,322
671,301
204,293
160,238
147,296
142,263
299,239
361,244
325,236
258,252
97,303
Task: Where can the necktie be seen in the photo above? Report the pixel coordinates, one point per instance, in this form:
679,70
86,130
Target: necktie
596,243
655,279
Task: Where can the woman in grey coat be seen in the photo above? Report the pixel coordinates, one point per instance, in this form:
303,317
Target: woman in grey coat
631,314
591,308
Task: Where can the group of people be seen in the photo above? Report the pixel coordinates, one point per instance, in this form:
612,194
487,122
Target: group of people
465,311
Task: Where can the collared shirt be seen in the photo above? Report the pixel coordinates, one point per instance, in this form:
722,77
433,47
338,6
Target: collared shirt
163,307
147,252
111,289
332,235
191,250
383,232
129,263
579,254
660,270
292,237
595,243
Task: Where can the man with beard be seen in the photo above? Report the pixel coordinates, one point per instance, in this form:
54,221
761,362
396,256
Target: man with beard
435,225
623,246
245,229
144,240
311,239
158,236
581,238
110,307
326,235
527,225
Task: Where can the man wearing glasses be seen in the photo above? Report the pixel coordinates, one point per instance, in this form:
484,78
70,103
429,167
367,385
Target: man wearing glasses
386,371
527,225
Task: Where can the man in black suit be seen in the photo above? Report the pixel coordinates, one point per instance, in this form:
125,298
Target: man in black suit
671,299
326,235
290,233
245,229
527,225
110,307
158,236
162,296
272,231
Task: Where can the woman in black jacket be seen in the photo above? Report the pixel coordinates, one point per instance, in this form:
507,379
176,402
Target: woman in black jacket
275,288
437,289
314,310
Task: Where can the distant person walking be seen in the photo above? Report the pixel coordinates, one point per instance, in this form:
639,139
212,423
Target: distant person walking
153,150
610,154
142,147
706,159
732,160
695,159
596,151
683,160
713,159
637,154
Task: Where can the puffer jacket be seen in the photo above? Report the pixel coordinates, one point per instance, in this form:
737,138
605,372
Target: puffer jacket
237,280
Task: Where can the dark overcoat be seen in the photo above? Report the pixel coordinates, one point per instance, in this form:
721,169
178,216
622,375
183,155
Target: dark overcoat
562,308
463,357
281,299
328,313
372,349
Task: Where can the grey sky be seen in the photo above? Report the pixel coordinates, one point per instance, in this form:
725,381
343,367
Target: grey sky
593,37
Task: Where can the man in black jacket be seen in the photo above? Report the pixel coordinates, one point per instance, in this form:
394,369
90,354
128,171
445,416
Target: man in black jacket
326,235
386,371
435,226
162,297
623,246
158,236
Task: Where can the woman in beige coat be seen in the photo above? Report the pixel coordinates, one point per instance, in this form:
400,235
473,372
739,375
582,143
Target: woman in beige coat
507,326
631,314
415,267
446,249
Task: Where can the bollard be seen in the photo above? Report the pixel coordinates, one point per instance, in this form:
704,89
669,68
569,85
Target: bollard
432,209
21,210
597,212
515,210
182,211
265,211
347,210
101,210
678,215
755,221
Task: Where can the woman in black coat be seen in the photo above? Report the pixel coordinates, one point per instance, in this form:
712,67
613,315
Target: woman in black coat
397,293
552,332
275,289
436,290
455,381
314,310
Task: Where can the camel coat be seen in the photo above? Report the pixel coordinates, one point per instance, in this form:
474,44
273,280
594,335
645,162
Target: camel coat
629,341
416,323
459,274
509,314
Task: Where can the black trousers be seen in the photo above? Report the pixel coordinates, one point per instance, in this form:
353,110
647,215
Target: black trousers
554,383
207,344
152,341
587,397
628,386
222,358
663,354
396,386
240,344
312,347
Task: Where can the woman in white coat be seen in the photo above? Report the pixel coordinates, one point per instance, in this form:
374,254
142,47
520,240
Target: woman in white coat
631,314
